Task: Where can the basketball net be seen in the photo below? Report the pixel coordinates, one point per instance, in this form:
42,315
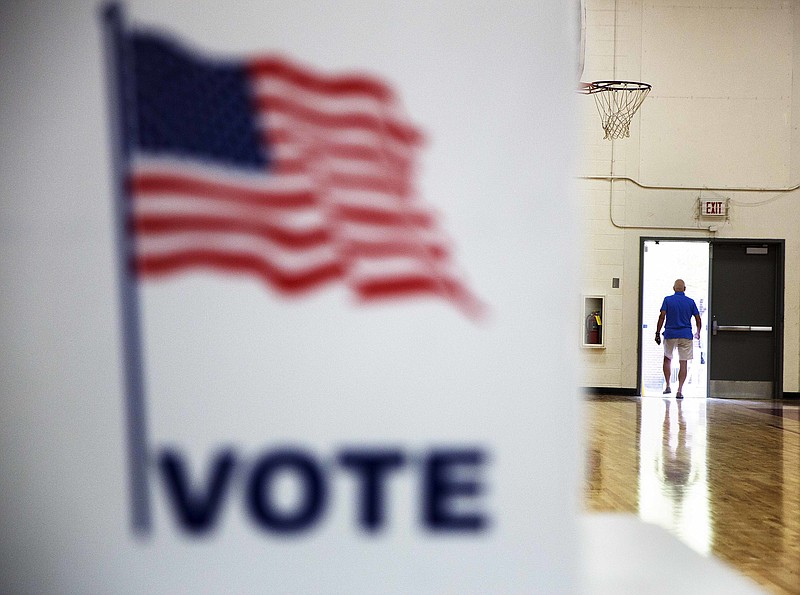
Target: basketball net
617,102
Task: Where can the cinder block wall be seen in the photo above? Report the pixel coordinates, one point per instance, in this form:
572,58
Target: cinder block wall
723,114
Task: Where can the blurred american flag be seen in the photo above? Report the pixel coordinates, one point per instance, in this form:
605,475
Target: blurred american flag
267,168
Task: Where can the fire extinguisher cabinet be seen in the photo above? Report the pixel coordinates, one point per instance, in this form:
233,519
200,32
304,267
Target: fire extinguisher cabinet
593,319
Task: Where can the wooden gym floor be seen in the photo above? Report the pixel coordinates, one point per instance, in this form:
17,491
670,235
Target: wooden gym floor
721,475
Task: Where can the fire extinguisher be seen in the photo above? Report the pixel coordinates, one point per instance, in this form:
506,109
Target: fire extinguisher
594,327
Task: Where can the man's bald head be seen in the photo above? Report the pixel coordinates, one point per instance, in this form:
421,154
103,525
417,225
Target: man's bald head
679,285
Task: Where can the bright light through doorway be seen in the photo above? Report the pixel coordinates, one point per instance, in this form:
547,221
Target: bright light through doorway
663,261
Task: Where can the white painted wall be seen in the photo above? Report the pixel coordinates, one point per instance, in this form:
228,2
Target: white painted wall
723,114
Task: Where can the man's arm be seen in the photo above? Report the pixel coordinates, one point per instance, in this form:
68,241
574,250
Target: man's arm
699,322
661,317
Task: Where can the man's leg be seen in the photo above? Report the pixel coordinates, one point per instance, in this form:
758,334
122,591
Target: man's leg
685,353
667,371
681,377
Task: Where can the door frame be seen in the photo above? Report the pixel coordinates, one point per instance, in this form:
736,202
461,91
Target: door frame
780,290
639,346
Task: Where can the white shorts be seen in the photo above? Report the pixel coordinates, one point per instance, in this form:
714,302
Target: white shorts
685,348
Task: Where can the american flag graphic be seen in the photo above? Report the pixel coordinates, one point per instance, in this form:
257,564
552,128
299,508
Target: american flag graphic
260,167
268,168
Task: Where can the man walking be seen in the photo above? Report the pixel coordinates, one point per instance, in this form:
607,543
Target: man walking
677,310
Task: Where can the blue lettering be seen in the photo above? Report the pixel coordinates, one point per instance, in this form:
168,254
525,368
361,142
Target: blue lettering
449,479
372,467
260,502
197,510
441,488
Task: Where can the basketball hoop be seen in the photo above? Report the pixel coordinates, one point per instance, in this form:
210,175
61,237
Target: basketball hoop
617,102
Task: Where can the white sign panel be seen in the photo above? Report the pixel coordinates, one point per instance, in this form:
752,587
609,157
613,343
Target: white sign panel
278,315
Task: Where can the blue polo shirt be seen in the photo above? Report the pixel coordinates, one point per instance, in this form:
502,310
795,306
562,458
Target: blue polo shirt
680,310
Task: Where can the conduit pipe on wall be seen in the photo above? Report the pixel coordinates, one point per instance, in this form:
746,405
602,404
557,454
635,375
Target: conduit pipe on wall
709,229
612,178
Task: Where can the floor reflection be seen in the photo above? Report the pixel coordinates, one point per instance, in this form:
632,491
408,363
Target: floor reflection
673,491
721,475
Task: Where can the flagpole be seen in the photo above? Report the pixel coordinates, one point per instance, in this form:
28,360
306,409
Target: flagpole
135,409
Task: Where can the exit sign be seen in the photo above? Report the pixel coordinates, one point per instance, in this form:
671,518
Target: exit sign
713,208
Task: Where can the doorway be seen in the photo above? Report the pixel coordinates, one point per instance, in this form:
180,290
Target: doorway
738,288
664,261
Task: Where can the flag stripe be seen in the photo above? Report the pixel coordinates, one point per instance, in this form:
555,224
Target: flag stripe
283,133
303,114
181,185
400,163
289,282
379,249
292,155
170,224
382,217
386,184
310,80
390,288
300,259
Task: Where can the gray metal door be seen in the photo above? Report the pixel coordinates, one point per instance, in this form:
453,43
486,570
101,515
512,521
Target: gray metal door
746,323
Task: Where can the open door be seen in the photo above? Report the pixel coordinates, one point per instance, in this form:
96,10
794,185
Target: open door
662,262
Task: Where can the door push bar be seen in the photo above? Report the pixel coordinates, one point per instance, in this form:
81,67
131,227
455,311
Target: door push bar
736,327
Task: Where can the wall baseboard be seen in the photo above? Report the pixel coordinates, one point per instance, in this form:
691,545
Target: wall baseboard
605,391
